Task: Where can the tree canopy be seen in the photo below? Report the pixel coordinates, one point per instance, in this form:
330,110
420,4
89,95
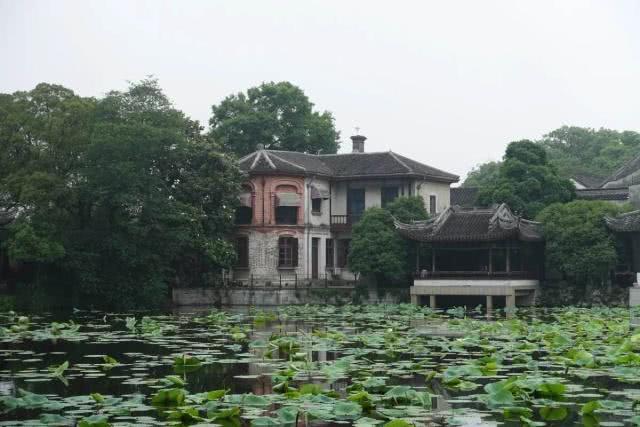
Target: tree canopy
574,151
482,175
117,197
277,115
376,248
526,181
578,243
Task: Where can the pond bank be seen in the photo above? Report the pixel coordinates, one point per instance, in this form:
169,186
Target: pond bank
275,296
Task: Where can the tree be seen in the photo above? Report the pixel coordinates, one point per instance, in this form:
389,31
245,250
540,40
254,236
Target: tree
376,247
115,195
575,150
578,243
526,181
482,175
277,115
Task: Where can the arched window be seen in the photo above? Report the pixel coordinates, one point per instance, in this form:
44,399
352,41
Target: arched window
244,212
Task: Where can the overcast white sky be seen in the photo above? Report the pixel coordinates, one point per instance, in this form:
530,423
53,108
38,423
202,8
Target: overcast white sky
448,83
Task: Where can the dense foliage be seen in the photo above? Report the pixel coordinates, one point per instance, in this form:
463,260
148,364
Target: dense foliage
526,181
574,151
578,243
277,115
363,365
117,197
376,247
483,175
585,151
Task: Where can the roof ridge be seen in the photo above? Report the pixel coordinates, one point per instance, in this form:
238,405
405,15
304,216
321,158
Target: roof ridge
288,162
262,153
428,166
392,154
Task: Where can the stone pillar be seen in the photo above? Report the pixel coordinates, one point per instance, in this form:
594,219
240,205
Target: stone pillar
414,299
510,301
489,303
432,301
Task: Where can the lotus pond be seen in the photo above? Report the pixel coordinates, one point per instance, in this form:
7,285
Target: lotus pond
385,365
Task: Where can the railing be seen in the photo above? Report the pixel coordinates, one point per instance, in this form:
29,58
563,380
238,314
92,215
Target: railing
288,281
344,220
425,274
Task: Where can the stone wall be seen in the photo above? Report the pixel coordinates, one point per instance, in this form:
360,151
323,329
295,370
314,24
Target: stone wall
267,297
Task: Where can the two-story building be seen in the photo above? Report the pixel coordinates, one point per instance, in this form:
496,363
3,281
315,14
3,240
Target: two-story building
297,209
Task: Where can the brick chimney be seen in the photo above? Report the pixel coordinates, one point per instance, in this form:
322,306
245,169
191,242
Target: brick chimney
358,143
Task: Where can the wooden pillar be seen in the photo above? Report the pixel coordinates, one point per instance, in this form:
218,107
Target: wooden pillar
508,258
433,258
432,301
489,302
490,269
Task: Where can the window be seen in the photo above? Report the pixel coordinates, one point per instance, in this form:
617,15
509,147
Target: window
343,252
287,252
432,204
355,204
316,206
329,253
244,215
287,215
389,194
242,252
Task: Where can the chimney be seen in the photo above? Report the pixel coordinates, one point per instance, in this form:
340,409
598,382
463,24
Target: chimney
358,143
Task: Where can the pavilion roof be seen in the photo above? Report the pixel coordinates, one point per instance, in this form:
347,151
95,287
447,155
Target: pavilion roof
624,223
457,224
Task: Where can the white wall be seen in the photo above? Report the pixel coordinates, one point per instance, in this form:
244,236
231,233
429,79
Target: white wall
441,190
314,219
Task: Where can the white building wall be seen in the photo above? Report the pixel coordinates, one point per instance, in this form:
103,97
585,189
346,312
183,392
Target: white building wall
442,191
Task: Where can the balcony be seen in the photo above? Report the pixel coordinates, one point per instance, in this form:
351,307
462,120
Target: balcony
344,222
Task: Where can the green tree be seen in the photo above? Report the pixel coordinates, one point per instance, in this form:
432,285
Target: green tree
118,197
575,150
526,181
277,115
483,175
377,249
578,243
406,209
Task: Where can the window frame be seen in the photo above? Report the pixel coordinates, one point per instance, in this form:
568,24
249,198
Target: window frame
433,204
289,219
287,252
316,209
242,255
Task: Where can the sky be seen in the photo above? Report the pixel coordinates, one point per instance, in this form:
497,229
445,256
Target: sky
448,83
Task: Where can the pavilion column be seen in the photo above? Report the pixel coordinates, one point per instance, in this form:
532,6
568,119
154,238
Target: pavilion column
490,269
418,257
432,301
508,258
510,301
433,259
489,302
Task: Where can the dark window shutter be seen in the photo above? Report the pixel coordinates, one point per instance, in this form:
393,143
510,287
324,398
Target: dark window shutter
294,256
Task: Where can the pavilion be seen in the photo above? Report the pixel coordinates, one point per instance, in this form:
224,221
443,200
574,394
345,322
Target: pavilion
490,253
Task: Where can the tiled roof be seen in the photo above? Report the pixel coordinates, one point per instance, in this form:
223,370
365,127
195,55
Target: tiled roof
464,196
628,168
589,181
603,194
340,165
624,223
456,224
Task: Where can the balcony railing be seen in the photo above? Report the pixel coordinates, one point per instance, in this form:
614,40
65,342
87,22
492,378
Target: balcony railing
344,221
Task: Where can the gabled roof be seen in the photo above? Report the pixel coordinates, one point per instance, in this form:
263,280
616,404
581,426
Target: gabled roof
624,223
341,166
464,196
603,193
456,224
